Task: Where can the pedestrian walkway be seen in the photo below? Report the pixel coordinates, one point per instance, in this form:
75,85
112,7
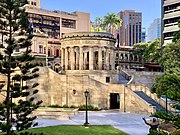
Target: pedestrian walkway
129,123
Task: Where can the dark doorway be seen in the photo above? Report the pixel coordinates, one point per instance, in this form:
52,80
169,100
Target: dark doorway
114,101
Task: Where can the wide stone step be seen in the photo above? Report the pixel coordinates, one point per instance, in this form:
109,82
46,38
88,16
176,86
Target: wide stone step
149,100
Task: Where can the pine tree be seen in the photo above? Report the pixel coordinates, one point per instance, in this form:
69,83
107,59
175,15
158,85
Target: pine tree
19,101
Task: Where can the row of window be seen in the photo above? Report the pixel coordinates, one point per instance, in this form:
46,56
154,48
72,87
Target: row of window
132,31
67,23
171,7
169,34
172,20
42,50
33,3
49,20
44,17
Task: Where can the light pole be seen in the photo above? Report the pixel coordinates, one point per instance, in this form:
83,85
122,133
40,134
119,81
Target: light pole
47,50
46,45
86,95
166,103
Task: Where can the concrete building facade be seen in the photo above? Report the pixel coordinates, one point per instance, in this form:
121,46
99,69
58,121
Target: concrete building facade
34,3
143,35
54,24
130,31
154,30
48,27
170,18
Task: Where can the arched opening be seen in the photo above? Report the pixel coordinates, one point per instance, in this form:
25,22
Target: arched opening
57,52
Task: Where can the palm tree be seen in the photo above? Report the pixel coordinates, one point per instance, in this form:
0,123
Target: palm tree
97,24
111,22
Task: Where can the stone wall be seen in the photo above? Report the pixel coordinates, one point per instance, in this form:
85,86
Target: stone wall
143,77
154,96
129,101
3,79
68,89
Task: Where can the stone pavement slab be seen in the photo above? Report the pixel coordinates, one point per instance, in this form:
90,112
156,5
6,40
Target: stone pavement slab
129,123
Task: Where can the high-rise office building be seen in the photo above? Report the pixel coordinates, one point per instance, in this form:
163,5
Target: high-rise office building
143,35
154,30
170,17
130,31
54,24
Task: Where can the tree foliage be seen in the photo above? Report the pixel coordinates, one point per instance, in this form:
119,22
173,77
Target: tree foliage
111,22
176,36
150,52
97,25
169,83
168,117
19,101
108,23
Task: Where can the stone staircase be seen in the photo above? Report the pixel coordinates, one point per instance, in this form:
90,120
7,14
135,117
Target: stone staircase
149,100
122,80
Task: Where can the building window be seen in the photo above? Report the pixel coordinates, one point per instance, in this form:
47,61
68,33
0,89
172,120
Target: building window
49,52
16,49
168,35
33,3
107,79
68,23
57,53
40,49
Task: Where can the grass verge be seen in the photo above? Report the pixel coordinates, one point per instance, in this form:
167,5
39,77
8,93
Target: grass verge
78,130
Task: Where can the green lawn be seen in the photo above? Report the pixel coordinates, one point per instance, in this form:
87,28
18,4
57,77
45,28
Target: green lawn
78,130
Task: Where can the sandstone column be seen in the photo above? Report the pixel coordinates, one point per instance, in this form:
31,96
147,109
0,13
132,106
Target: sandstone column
128,55
100,58
77,58
112,59
138,58
85,61
107,59
66,58
62,59
81,59
91,59
72,58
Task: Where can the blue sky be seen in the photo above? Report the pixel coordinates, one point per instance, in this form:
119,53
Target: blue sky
149,8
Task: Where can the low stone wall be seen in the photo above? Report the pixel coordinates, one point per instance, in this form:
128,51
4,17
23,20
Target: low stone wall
3,80
138,105
129,101
147,91
55,113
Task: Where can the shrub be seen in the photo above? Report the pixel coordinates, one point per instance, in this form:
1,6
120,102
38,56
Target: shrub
73,106
55,106
65,106
89,107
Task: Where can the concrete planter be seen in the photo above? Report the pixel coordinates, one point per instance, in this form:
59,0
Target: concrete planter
55,113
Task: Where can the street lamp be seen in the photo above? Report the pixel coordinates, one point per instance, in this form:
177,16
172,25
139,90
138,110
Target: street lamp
86,95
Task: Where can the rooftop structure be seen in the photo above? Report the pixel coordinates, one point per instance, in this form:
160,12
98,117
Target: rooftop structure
130,31
170,17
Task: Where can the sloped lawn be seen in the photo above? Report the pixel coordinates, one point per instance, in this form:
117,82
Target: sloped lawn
78,130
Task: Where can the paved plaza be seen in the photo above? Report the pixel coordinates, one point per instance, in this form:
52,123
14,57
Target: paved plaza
129,123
